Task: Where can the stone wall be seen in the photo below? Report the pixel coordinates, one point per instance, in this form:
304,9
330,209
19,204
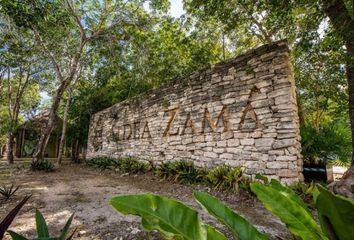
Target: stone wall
242,111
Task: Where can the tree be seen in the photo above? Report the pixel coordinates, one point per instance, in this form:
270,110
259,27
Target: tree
320,34
63,31
341,15
19,88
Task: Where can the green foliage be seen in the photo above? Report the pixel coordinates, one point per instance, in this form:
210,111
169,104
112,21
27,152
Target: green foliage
43,232
77,160
335,214
42,165
8,192
102,162
304,190
185,172
225,177
132,165
165,170
239,226
330,142
172,218
332,209
6,222
123,164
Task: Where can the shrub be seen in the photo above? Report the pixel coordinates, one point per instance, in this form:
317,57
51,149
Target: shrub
8,192
225,177
42,165
182,171
166,170
132,165
77,160
330,142
123,164
186,172
304,190
102,162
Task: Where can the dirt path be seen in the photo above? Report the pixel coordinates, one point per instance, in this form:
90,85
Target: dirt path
78,189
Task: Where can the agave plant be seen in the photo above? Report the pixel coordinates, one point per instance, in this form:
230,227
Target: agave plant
8,192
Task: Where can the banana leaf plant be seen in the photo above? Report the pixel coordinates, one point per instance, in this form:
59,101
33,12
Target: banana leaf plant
336,213
176,220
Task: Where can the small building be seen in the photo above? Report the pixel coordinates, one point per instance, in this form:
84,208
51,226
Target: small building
28,134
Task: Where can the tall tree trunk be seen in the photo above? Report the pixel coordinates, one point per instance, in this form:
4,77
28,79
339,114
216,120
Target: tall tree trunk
350,76
10,148
63,132
344,24
42,143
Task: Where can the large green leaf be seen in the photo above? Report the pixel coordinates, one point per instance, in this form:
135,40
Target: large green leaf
65,230
287,192
16,236
171,217
336,215
296,218
42,228
212,233
239,226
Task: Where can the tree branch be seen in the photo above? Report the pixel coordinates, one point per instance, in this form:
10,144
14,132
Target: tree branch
49,54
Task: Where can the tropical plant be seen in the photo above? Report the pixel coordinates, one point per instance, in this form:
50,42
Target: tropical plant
6,222
186,172
332,210
132,165
102,162
42,165
174,219
165,170
42,229
225,177
329,142
8,192
304,190
171,217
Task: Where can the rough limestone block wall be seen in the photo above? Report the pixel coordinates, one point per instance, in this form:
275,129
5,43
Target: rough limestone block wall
242,111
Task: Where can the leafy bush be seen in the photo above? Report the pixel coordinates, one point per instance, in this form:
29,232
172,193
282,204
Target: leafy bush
186,172
176,220
331,142
166,170
123,164
42,165
77,160
42,229
182,171
225,177
8,192
102,162
132,165
304,190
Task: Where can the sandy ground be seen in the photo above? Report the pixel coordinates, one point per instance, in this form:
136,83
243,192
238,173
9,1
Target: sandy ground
78,189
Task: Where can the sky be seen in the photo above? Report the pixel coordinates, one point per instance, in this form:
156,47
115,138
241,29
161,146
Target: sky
176,8
176,11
